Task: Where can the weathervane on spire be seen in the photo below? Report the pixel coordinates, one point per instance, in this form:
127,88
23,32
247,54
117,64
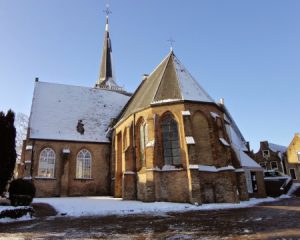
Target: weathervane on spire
171,41
107,10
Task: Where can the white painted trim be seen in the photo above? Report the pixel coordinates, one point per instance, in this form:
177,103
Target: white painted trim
129,173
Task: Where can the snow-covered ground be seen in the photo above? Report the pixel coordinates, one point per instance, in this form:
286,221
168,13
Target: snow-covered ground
104,206
6,220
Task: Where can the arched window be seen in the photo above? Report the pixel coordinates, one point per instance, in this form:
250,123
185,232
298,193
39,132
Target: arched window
46,163
84,164
170,141
125,140
202,139
143,142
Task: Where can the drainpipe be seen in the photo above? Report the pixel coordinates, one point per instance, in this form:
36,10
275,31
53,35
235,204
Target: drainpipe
32,160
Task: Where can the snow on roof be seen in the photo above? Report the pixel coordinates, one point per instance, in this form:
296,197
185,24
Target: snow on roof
238,144
235,140
189,140
245,160
214,115
170,82
224,142
190,88
277,148
57,111
185,113
208,168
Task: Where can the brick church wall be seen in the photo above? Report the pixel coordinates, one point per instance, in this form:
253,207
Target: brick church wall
64,182
171,186
184,184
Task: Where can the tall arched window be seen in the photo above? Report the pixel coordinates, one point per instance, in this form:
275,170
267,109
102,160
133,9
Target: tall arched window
143,142
202,139
84,164
170,139
46,163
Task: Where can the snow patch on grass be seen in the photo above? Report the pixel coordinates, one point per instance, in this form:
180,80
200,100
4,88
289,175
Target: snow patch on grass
24,218
105,206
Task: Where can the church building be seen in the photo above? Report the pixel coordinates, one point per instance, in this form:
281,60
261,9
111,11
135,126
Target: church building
169,141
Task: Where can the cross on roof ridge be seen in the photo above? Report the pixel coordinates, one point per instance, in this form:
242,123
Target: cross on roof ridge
171,41
107,10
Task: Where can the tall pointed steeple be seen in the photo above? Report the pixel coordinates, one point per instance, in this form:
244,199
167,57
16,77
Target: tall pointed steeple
106,74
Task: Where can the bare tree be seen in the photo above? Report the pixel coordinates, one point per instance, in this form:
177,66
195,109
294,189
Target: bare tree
21,123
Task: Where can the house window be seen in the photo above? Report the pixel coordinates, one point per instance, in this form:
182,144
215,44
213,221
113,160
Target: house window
293,174
143,142
266,153
263,164
274,165
170,139
298,156
83,164
46,163
254,181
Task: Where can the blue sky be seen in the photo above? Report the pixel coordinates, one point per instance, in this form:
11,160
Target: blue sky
247,52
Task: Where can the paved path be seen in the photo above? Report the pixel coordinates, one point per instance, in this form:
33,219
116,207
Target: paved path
275,220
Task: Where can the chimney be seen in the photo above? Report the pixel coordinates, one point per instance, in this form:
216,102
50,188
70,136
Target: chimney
36,79
222,101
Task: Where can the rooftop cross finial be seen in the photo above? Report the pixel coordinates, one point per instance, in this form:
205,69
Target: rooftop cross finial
171,41
107,10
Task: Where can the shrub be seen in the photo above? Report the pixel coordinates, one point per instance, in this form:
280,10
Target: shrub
16,213
21,192
7,148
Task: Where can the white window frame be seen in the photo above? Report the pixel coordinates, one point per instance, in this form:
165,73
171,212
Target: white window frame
266,155
298,155
84,164
294,173
47,163
272,166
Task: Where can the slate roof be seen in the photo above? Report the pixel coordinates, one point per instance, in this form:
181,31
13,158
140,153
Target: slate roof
106,73
57,109
169,82
277,148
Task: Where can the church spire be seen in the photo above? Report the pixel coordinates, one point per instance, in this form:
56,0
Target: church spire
106,75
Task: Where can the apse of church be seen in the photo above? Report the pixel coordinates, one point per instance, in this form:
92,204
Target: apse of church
171,143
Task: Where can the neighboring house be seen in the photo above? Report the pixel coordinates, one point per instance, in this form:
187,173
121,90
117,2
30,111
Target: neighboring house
253,172
293,156
169,142
271,157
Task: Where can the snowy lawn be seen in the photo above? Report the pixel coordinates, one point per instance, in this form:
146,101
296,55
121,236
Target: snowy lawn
104,206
